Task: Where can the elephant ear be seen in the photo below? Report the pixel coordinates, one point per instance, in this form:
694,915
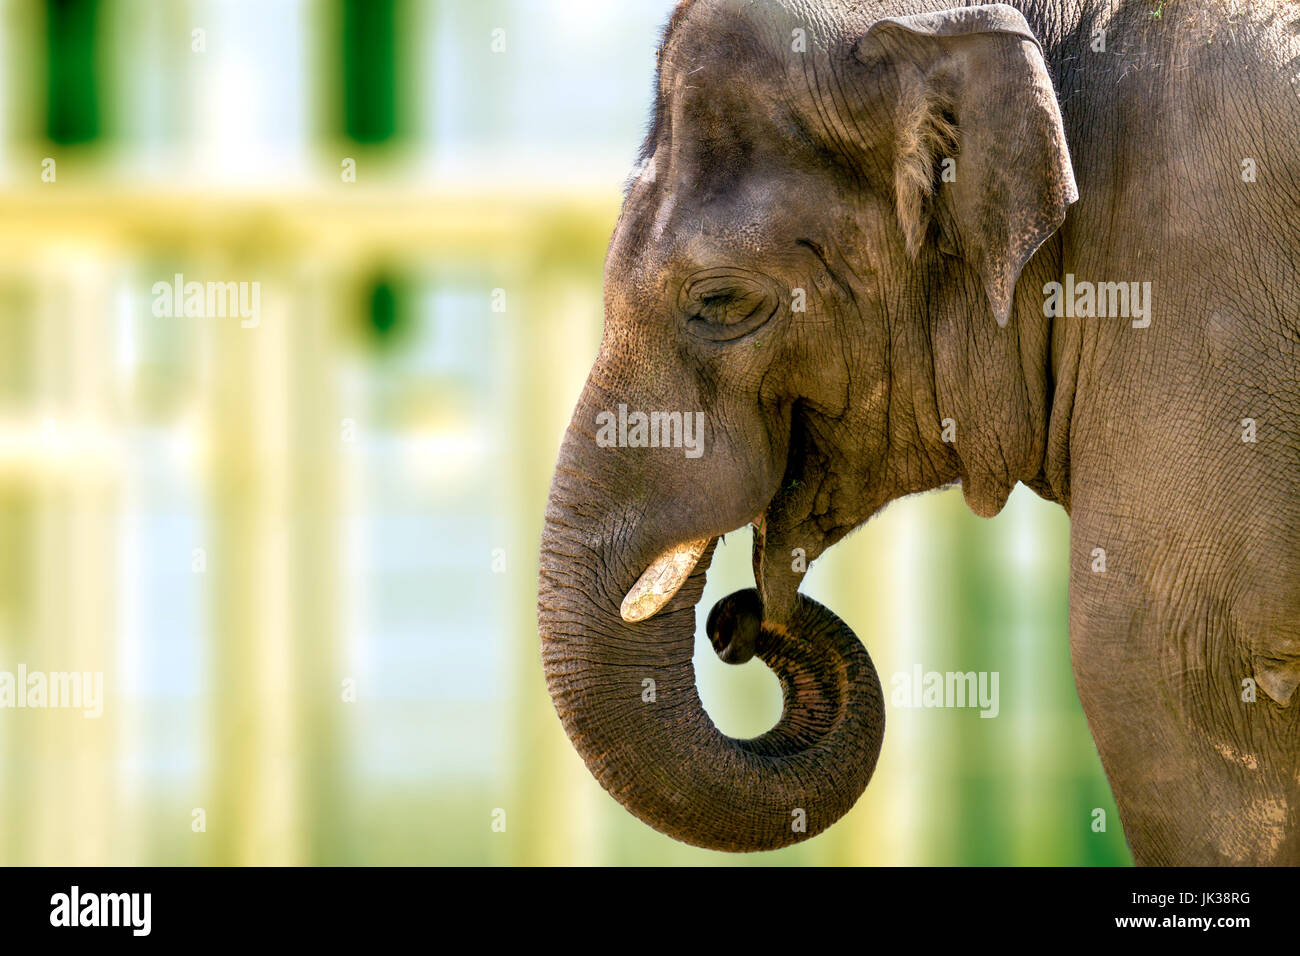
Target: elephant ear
973,90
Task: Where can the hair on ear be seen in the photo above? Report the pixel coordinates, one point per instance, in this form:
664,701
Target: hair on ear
927,134
1016,180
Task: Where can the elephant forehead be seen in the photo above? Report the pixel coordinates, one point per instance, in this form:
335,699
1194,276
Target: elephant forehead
732,75
726,31
669,236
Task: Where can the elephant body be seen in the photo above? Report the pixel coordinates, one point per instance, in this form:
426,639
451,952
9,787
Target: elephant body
888,246
1186,648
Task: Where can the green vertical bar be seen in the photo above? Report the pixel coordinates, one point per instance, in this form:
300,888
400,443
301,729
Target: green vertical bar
369,70
72,108
383,308
972,646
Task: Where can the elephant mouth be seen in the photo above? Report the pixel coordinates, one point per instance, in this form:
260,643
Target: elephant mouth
666,574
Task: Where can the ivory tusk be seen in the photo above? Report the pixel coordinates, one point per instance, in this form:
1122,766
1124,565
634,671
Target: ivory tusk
661,580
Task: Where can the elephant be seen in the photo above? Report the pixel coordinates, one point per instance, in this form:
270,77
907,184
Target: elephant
880,247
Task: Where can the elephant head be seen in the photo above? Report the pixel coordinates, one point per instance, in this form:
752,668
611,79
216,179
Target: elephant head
813,270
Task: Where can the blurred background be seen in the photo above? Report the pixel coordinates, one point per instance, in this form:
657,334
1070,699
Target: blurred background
302,552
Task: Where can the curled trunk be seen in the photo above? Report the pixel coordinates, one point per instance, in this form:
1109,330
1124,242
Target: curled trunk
626,695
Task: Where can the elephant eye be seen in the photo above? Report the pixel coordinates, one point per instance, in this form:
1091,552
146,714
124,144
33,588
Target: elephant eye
729,306
725,304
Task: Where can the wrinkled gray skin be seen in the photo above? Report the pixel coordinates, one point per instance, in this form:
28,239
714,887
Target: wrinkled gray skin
776,171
